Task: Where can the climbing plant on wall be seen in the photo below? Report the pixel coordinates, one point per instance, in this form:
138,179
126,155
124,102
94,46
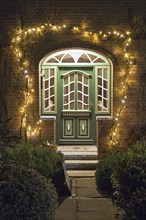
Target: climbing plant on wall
24,46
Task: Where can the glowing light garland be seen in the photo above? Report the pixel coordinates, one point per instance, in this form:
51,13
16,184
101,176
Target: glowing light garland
98,37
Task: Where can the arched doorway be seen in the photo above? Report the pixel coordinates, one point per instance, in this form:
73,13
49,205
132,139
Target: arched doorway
76,90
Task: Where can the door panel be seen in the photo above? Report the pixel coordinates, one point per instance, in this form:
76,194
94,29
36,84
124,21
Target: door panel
76,119
83,126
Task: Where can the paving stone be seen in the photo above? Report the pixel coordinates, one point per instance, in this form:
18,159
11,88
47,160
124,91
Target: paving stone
93,216
87,204
103,207
86,182
89,193
66,210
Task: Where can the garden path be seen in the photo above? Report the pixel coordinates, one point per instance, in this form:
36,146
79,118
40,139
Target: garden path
85,203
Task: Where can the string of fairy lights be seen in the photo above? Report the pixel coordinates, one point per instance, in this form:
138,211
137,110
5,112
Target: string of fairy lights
99,37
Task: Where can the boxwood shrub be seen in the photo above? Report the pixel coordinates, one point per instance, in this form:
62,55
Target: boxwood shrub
46,160
104,171
25,194
129,182
123,176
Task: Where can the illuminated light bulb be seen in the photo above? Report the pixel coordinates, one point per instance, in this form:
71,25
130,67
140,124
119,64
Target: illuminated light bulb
33,29
42,26
123,101
109,32
117,114
25,32
129,39
59,27
18,39
114,133
100,32
125,97
121,35
40,120
116,119
127,44
118,124
114,32
118,34
20,54
126,55
105,36
29,128
64,26
33,133
25,71
40,128
50,25
75,28
46,24
38,29
32,90
55,27
90,32
29,30
128,32
27,76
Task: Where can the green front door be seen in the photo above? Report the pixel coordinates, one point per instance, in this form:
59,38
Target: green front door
76,116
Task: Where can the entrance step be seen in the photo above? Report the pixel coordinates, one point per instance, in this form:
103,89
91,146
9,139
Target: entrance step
81,173
81,164
80,161
80,156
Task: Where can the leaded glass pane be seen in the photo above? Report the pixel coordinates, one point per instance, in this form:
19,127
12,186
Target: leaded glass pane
103,90
86,80
49,89
83,59
68,59
68,92
83,92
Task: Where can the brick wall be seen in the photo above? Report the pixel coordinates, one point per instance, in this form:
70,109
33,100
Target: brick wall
93,15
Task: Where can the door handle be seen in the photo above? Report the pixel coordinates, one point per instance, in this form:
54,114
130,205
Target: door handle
91,107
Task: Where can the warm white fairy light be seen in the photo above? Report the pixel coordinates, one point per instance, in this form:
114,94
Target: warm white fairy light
39,30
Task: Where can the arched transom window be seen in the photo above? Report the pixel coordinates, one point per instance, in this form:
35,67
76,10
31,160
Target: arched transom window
76,82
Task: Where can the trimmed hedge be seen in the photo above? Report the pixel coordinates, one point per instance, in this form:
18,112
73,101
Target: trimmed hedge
25,194
104,171
46,160
126,180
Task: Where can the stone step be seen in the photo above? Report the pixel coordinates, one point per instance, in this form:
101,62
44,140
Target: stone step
80,160
81,164
74,148
81,173
80,155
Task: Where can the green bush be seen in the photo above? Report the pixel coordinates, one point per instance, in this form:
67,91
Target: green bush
123,176
129,182
47,161
103,173
25,194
